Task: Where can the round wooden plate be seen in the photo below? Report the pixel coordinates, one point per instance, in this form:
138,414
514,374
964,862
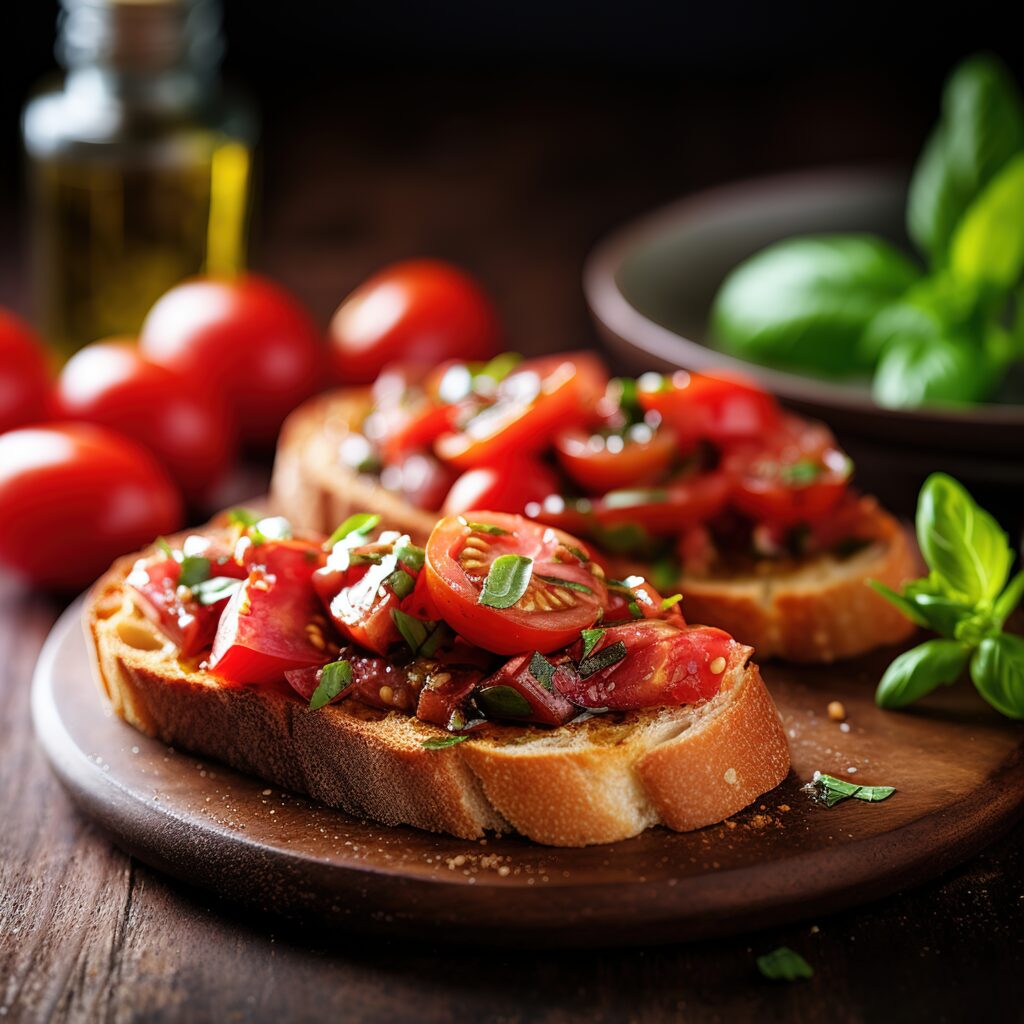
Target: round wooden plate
957,766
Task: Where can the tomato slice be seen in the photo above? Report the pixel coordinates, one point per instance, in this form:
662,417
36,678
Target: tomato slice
800,476
598,463
650,663
533,401
509,487
565,591
670,509
274,621
723,408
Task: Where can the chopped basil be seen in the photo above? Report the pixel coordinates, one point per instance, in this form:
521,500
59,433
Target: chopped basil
422,636
830,791
360,524
215,589
506,582
442,742
542,670
490,528
800,474
409,554
557,581
400,582
500,366
591,638
335,679
164,545
605,658
242,517
671,602
578,552
503,702
783,964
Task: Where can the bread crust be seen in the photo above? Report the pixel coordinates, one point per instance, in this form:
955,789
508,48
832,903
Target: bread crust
819,612
596,781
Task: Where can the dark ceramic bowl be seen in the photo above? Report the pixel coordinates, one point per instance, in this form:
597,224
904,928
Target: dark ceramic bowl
650,286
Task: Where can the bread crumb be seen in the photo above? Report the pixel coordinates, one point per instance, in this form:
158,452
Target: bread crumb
730,776
836,710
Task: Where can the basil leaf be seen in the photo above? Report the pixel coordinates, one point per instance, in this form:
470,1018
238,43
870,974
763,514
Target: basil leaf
997,671
360,524
830,791
494,531
335,679
215,589
605,658
1008,599
503,702
919,671
591,638
960,541
164,545
506,581
578,553
242,517
905,605
194,570
423,637
783,964
400,582
543,671
442,742
981,129
670,602
500,366
943,369
557,581
409,554
804,303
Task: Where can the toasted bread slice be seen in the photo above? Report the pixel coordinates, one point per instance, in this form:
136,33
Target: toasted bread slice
596,781
817,609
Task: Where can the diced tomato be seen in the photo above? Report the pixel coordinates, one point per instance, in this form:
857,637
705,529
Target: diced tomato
274,621
377,682
529,688
650,663
635,598
444,699
563,594
669,509
537,398
723,408
508,487
638,456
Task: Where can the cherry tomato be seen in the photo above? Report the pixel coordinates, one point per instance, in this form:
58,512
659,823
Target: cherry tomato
24,374
274,621
564,593
598,463
669,509
723,408
509,487
248,337
532,402
798,477
650,663
73,497
181,421
420,310
635,598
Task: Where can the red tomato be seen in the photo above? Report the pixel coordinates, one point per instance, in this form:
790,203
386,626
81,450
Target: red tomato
799,477
420,310
73,497
635,598
509,487
723,408
420,478
600,464
532,402
248,337
274,621
24,374
181,421
651,663
670,509
540,685
563,594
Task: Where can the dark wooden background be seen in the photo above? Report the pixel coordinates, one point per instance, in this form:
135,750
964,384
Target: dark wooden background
515,175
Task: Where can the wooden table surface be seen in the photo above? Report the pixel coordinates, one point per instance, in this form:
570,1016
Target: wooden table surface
516,182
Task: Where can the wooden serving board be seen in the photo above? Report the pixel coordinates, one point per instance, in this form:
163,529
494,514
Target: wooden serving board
957,766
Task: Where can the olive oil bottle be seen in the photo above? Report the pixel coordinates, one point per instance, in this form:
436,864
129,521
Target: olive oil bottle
140,165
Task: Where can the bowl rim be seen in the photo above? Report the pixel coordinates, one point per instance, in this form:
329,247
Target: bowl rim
617,315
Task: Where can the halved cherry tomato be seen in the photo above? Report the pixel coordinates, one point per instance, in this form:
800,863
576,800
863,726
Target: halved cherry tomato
509,487
651,663
274,621
668,509
531,403
24,374
723,408
798,477
598,463
565,592
424,310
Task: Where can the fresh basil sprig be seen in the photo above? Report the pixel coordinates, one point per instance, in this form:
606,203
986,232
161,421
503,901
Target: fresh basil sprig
831,791
965,598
